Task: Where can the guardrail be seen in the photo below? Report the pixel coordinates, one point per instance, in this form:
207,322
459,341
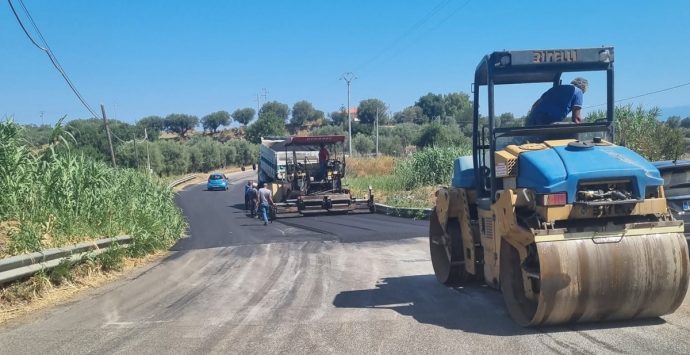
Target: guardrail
407,212
21,266
181,180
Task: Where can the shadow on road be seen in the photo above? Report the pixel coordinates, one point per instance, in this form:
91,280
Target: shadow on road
474,308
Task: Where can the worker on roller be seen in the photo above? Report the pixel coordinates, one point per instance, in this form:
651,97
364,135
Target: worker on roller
557,102
323,161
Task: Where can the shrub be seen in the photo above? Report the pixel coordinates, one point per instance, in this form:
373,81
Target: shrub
429,166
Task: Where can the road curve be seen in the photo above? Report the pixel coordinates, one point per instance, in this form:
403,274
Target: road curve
339,284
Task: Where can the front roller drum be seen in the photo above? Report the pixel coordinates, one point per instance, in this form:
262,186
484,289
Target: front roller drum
590,280
446,251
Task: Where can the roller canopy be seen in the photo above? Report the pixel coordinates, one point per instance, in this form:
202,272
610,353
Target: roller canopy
540,66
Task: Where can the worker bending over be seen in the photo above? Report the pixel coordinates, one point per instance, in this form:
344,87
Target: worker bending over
555,104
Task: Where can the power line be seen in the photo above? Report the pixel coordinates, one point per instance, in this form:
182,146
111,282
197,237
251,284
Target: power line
401,50
445,19
46,48
645,94
405,34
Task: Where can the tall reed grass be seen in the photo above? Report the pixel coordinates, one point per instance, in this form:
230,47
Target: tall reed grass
407,182
52,197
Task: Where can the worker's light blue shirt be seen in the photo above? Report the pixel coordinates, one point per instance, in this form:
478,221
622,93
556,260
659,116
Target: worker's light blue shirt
555,104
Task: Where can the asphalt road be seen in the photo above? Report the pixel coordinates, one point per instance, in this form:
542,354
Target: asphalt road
341,284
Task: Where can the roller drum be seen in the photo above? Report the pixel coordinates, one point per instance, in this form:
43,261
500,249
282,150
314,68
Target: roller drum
589,280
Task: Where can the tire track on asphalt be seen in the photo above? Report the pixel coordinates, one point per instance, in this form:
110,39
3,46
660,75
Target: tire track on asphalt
137,335
224,332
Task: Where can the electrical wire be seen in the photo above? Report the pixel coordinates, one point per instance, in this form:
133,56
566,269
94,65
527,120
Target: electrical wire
423,35
645,94
405,34
45,48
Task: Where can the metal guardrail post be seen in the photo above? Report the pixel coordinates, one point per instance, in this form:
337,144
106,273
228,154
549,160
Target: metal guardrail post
181,180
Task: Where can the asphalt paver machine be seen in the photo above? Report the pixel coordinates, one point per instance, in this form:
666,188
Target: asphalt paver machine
307,188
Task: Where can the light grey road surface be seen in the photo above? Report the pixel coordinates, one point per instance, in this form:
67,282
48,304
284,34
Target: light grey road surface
338,284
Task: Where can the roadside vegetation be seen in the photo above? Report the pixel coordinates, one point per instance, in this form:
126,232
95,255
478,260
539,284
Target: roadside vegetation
409,182
54,196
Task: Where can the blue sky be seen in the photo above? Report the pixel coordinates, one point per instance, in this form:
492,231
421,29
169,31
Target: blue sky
143,58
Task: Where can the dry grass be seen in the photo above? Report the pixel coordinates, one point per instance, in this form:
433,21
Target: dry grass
40,292
364,167
6,229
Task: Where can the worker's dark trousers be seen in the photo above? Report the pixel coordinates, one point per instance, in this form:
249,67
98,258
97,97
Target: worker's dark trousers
246,203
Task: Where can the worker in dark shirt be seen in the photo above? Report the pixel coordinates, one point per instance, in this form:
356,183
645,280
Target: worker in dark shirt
247,187
557,102
323,161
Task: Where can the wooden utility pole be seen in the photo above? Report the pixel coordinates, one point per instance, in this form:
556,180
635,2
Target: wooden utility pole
136,153
377,132
148,157
110,140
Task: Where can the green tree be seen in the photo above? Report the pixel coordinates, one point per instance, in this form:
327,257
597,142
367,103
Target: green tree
244,115
212,121
640,130
366,111
458,106
673,121
268,124
327,131
411,114
391,145
685,123
211,156
407,132
230,154
432,106
175,158
154,126
363,144
671,142
507,119
37,135
91,138
339,118
180,123
438,135
275,108
303,111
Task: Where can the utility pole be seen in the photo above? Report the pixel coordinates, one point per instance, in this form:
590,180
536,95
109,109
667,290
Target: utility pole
42,112
136,154
110,140
377,132
148,157
263,94
348,77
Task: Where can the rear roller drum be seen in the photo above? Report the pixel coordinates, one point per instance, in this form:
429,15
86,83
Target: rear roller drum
446,253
